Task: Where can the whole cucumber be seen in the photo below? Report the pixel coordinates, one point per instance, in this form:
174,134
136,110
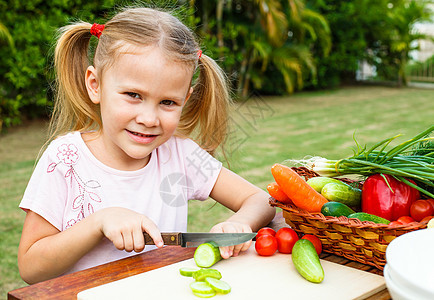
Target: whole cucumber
368,217
306,261
336,209
342,193
317,183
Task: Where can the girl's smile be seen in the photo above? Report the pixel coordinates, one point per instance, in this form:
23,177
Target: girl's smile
141,97
142,138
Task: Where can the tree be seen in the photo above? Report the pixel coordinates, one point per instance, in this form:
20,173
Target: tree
378,31
394,44
25,75
255,36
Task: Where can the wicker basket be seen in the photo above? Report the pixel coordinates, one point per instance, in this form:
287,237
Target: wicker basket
364,242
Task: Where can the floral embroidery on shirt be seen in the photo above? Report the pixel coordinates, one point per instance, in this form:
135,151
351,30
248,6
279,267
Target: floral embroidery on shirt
82,203
68,154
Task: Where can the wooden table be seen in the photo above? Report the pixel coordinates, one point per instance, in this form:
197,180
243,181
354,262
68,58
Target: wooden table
68,286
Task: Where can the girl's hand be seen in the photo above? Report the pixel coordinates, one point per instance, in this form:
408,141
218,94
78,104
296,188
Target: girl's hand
232,227
125,228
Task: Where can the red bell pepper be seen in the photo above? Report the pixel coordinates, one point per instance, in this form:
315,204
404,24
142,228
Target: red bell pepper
389,200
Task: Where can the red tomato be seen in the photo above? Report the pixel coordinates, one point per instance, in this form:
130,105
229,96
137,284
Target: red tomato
405,219
315,241
286,238
431,201
421,209
265,231
395,223
266,245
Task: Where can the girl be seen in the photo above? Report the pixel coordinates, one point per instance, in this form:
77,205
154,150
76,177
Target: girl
120,161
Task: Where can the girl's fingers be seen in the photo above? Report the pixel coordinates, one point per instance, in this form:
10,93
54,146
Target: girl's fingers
242,247
117,240
125,228
246,246
138,239
153,231
128,240
228,251
237,249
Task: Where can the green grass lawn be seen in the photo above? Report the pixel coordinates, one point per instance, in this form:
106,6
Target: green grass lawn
266,130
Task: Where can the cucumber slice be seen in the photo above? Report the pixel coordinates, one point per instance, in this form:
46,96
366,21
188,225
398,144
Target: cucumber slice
206,255
204,295
204,273
201,287
188,271
219,286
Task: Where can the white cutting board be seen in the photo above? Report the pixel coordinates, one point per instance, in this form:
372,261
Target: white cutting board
251,277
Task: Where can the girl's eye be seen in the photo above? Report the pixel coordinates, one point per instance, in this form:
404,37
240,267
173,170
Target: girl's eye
133,95
168,102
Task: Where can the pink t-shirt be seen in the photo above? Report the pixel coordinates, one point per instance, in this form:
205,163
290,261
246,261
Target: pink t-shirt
70,183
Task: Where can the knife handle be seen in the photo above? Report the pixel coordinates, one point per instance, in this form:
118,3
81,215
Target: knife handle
169,238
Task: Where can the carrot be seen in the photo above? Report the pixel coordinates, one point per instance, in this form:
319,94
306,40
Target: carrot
294,186
276,192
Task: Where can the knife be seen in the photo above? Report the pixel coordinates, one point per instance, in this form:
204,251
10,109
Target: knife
194,239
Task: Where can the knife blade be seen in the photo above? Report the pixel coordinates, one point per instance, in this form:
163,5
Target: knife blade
194,239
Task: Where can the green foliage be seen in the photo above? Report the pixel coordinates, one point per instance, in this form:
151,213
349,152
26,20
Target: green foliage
350,22
377,31
392,53
264,45
25,70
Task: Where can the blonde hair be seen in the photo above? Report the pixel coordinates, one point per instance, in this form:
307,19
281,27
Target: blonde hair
205,114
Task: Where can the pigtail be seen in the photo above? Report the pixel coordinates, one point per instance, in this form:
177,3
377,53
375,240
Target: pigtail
73,109
208,107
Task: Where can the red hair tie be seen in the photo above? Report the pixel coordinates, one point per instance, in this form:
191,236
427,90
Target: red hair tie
199,53
96,29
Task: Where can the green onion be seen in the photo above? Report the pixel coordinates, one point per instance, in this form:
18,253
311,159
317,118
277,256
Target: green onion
411,159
